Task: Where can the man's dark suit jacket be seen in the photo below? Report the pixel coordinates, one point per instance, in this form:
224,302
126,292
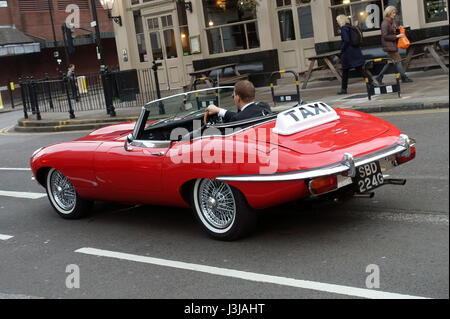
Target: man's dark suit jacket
251,111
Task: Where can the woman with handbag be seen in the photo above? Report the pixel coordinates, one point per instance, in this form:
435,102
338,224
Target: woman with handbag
389,39
351,54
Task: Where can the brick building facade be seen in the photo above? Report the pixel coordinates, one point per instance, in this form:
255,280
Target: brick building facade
32,18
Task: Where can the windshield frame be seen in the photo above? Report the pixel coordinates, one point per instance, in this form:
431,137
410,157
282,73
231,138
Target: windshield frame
148,104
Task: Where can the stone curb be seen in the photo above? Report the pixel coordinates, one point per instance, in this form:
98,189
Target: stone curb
81,125
36,123
400,108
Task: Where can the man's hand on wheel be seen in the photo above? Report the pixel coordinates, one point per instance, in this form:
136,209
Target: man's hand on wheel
210,110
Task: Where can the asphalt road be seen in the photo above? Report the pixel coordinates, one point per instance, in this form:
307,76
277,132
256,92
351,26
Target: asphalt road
307,250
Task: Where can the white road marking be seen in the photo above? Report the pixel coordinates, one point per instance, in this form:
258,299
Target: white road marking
284,281
5,237
12,296
429,218
14,169
26,195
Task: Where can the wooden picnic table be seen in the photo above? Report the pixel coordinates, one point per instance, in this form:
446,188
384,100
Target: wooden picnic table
205,73
431,45
325,57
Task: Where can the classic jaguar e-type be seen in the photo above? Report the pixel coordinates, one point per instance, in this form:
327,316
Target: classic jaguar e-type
176,156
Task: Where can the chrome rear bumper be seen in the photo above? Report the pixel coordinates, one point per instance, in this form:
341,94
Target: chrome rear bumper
348,165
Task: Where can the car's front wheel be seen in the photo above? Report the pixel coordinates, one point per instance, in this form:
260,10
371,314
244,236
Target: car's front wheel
222,210
63,196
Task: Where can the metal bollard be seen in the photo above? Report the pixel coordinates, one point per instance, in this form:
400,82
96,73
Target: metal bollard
66,83
158,91
49,91
10,89
31,95
24,101
35,99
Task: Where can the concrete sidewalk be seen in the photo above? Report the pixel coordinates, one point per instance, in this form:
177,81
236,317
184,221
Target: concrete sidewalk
429,90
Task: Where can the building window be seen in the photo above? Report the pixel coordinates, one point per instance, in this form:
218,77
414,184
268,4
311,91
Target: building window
305,19
134,2
282,3
140,38
184,29
286,23
228,28
367,14
162,37
286,19
435,10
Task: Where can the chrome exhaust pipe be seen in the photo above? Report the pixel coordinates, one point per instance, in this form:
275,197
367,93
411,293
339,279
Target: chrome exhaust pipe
395,181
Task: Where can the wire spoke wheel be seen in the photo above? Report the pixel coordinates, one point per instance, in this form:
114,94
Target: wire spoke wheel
62,191
64,197
217,203
222,209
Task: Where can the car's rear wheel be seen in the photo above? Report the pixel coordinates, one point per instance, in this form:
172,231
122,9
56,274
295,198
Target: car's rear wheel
63,196
222,210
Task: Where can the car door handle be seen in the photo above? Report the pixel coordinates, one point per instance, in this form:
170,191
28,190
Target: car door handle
158,154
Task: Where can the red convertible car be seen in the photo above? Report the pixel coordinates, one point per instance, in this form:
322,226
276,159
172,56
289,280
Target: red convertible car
226,172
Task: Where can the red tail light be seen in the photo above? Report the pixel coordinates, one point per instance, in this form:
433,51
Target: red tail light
412,155
322,185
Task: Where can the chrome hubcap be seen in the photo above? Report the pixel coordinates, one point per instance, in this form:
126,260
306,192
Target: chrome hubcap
62,191
217,203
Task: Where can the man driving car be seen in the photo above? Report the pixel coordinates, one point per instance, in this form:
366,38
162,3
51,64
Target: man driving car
244,98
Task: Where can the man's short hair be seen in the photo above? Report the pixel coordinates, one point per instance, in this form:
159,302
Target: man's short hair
246,91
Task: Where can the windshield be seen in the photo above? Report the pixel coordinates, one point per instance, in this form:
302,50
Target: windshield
190,104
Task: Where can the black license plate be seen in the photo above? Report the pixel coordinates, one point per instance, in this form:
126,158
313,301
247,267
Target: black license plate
368,177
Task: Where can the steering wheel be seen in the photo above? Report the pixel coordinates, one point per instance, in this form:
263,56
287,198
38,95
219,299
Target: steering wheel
213,119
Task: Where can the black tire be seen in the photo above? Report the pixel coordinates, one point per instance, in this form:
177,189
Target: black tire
64,198
237,221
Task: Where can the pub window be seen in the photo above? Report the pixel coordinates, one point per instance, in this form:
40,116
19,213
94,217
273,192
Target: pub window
435,10
305,19
155,39
229,28
139,28
367,14
282,3
286,23
184,29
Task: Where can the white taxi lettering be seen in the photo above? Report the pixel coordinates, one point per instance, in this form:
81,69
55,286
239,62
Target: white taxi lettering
303,117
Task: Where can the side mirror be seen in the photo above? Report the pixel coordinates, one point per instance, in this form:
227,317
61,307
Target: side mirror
128,140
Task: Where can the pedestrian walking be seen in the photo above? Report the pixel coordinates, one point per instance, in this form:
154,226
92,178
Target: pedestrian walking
73,82
351,54
389,39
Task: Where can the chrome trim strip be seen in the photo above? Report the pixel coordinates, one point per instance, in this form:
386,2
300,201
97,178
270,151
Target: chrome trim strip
151,144
320,171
